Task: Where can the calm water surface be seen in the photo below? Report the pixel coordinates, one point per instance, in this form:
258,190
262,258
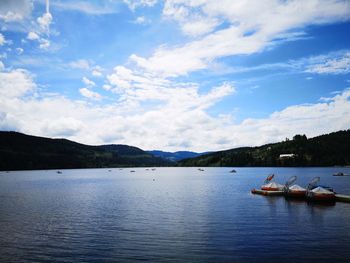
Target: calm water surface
170,214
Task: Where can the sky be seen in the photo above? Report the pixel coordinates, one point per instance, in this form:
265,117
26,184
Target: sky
199,75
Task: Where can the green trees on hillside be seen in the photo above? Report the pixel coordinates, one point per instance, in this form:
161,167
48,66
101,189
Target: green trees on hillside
22,152
325,150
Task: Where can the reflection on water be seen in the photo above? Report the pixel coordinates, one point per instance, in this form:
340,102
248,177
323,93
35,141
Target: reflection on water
168,214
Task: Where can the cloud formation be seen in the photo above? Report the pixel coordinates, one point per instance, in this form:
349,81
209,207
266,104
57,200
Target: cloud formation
180,121
80,64
88,7
90,94
249,29
151,101
2,40
134,4
332,64
88,82
11,11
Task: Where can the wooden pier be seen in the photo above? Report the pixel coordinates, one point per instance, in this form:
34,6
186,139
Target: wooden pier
342,198
268,193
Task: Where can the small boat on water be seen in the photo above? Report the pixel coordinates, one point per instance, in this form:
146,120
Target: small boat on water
294,190
340,174
271,186
318,193
321,194
233,171
200,169
132,171
59,172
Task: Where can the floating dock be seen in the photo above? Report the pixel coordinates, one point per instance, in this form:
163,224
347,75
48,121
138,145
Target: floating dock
269,193
338,197
342,198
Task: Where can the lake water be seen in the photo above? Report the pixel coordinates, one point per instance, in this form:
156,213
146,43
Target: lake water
170,214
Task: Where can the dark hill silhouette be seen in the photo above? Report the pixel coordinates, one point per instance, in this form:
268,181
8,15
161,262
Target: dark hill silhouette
22,152
325,150
175,156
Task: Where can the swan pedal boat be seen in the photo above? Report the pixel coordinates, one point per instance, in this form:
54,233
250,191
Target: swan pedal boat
272,187
296,191
321,194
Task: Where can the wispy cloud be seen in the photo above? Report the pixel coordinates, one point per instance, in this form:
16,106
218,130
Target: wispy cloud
88,7
80,64
151,100
134,4
142,20
334,63
12,11
2,40
180,123
249,30
88,82
90,94
39,30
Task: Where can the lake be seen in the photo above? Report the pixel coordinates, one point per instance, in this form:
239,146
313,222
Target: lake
169,214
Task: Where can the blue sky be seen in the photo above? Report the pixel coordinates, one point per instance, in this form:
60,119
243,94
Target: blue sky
175,75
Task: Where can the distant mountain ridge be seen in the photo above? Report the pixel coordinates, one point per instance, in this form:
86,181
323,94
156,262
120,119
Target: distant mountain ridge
325,150
22,152
175,156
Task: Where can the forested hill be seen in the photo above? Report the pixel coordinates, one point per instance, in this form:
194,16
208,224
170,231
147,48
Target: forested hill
21,152
325,150
175,156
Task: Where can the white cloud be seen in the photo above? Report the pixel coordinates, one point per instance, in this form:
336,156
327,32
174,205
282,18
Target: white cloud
330,64
121,78
19,51
64,126
44,43
311,119
80,64
335,62
88,82
16,83
40,30
3,55
32,36
90,94
11,11
248,29
2,40
181,120
107,87
89,8
44,22
151,110
199,26
193,23
134,4
141,20
97,71
2,66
